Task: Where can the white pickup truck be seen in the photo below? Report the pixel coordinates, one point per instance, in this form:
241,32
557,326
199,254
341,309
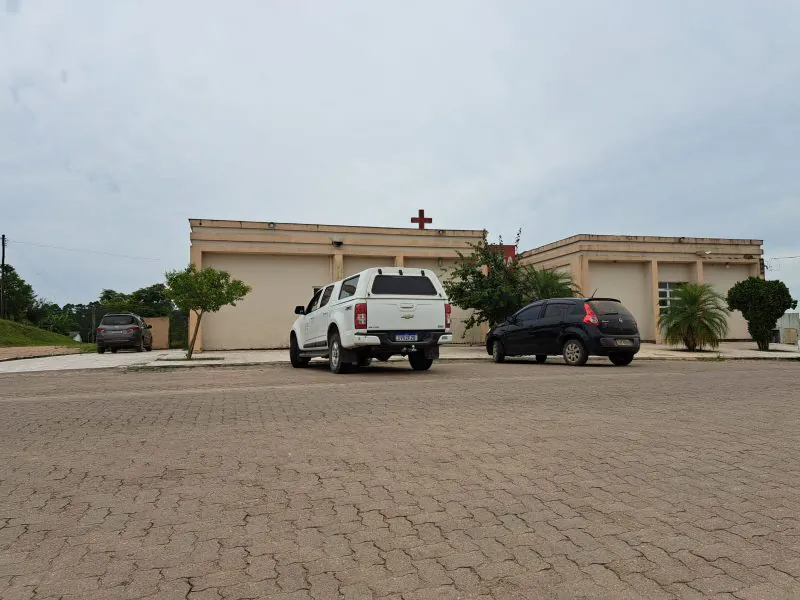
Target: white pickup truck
376,313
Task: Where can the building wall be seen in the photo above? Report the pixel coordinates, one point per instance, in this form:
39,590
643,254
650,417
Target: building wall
160,331
719,261
283,261
629,283
723,278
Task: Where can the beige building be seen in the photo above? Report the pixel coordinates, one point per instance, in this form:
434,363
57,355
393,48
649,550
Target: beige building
642,272
283,262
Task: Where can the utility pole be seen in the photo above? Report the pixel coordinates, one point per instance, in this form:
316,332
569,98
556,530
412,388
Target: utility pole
3,278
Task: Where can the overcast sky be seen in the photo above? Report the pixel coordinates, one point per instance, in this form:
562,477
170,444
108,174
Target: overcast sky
121,120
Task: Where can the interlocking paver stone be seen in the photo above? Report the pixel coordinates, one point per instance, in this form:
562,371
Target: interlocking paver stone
472,480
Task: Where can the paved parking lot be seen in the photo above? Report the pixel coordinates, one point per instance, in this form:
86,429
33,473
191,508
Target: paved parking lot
662,480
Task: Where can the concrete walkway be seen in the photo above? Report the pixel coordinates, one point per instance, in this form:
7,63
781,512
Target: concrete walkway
175,358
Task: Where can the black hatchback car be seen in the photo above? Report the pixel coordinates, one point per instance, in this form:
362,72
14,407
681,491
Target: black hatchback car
575,328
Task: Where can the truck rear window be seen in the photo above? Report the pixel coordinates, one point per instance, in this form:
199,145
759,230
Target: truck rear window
607,307
403,285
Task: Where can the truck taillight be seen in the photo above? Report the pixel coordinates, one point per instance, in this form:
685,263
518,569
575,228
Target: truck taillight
448,316
589,317
360,315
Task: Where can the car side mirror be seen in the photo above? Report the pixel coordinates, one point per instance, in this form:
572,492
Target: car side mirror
299,310
149,326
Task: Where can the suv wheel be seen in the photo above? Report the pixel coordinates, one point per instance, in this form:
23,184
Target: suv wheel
498,352
540,358
114,350
297,361
621,360
101,350
335,354
419,362
575,354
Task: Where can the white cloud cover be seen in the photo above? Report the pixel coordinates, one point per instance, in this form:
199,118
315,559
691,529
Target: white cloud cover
121,120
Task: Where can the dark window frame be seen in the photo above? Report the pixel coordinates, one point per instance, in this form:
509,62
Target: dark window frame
432,292
536,305
565,306
314,299
326,296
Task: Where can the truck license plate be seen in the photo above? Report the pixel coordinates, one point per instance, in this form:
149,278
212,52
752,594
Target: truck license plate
624,343
405,337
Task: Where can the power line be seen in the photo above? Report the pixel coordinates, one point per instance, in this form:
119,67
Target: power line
83,251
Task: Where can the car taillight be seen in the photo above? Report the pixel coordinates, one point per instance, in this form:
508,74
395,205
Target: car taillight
448,316
590,318
100,330
360,316
134,328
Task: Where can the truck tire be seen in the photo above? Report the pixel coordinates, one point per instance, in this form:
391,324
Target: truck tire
419,362
297,361
335,354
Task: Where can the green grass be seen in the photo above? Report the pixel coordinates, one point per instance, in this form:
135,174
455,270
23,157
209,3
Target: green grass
16,334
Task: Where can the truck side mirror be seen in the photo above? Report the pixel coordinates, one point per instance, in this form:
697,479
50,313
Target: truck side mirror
299,310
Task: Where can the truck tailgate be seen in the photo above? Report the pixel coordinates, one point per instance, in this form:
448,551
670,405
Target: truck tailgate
405,314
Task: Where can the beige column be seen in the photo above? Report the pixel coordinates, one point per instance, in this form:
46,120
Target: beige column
699,277
584,276
338,266
755,269
195,258
654,299
399,260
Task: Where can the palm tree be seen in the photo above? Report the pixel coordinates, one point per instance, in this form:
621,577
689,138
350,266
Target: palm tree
696,317
547,283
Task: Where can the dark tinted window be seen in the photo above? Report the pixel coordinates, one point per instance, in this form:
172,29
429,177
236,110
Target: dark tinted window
555,311
348,287
326,295
530,313
403,285
609,307
118,320
314,300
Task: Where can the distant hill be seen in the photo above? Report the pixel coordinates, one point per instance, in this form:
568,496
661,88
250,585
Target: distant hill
16,334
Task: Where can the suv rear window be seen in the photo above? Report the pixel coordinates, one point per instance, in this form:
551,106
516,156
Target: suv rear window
403,285
608,307
117,320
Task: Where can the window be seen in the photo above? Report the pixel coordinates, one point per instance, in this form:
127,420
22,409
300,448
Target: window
118,320
403,285
529,313
609,307
666,292
555,311
312,306
326,295
349,287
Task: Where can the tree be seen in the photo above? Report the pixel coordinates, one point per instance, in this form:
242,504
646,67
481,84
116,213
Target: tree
495,287
18,295
696,317
151,301
762,303
206,290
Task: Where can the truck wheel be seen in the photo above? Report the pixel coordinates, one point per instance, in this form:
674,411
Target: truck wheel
419,362
335,352
297,361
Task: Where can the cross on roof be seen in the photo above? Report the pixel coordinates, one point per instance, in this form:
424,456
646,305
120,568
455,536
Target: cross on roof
421,219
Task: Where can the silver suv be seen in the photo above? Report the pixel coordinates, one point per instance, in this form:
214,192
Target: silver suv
124,330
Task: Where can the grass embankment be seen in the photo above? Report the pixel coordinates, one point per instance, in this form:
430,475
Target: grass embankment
14,335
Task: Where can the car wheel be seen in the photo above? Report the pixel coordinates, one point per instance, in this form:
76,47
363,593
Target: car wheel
114,350
364,361
140,346
419,362
335,361
149,348
101,350
540,358
298,362
498,351
621,360
575,354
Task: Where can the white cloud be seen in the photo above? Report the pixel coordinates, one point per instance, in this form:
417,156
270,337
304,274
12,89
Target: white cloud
562,118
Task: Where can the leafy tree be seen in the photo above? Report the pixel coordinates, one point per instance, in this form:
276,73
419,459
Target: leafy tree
18,295
495,288
762,303
696,317
146,302
206,290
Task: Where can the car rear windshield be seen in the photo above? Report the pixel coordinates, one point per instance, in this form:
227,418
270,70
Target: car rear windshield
403,285
609,307
117,320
